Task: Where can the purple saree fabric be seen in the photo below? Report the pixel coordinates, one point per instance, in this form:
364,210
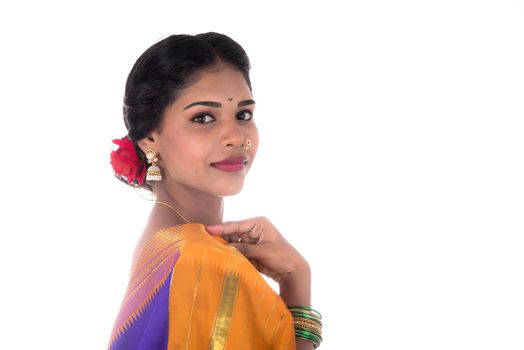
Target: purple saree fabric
150,330
143,318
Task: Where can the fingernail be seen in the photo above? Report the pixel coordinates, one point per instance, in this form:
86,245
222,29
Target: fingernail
216,228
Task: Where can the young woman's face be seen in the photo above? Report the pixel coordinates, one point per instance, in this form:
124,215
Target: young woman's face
208,138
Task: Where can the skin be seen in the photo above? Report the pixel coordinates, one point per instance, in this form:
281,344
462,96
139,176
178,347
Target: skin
191,137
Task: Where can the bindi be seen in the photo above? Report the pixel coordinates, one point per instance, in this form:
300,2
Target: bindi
230,98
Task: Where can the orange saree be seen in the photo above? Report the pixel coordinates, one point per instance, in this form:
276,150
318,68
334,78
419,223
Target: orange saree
190,290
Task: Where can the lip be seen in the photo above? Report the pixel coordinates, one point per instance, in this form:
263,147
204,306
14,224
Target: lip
232,164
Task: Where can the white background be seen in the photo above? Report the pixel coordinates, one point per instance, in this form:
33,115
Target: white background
391,156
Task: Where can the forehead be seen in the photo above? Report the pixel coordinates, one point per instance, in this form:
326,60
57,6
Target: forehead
222,83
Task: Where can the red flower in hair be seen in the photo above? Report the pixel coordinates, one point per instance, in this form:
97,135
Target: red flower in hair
126,163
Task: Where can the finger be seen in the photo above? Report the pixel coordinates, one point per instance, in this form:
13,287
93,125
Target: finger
240,238
250,251
254,230
256,234
231,227
234,238
214,229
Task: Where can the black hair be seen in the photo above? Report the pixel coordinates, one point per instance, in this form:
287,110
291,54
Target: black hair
169,66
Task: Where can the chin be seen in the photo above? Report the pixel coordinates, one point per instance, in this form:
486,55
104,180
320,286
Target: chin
230,189
231,192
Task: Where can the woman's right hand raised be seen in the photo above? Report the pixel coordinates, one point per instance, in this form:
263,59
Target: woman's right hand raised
260,242
264,246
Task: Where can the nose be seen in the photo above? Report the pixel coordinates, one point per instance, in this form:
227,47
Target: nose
233,134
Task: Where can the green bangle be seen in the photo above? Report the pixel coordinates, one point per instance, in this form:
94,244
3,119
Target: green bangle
309,331
307,308
316,343
308,336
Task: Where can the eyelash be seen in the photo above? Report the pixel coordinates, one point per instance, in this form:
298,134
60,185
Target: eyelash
204,115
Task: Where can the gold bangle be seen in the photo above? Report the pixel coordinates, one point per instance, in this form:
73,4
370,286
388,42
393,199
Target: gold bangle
308,320
310,326
309,329
307,317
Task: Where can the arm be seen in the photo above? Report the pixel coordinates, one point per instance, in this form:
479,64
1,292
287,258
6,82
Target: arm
297,291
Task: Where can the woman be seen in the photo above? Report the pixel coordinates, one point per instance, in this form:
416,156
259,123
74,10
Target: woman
191,140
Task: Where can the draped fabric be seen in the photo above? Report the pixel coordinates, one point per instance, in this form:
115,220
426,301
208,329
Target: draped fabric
190,290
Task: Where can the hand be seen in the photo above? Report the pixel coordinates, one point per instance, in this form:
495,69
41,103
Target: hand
261,243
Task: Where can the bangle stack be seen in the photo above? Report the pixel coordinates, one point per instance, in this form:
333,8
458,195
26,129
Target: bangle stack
307,323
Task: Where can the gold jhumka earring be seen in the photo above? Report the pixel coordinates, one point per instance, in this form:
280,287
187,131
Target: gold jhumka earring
153,171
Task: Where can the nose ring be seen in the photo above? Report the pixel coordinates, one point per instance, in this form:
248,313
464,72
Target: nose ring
247,144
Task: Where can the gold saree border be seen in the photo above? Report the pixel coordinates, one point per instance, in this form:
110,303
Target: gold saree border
225,310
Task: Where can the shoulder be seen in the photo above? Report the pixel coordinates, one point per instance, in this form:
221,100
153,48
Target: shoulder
188,251
169,238
197,252
188,244
197,247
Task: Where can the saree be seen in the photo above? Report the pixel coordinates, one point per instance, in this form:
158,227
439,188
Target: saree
190,290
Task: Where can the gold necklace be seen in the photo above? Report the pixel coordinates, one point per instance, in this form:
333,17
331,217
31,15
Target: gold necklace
176,211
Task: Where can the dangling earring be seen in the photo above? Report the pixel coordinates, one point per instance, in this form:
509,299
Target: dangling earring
153,172
247,144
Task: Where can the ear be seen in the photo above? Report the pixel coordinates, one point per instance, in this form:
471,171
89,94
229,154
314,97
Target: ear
149,142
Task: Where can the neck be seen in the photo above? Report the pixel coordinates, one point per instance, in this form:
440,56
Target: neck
195,206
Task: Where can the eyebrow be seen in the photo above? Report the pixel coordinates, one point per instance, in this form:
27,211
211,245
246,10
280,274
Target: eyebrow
218,104
246,103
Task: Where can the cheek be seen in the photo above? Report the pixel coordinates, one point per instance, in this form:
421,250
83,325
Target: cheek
187,155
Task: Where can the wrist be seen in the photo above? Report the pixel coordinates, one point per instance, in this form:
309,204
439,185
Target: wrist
296,289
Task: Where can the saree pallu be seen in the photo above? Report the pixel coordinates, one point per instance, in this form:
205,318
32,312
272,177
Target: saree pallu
190,290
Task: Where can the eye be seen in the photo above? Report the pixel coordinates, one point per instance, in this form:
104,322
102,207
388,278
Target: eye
203,118
245,115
